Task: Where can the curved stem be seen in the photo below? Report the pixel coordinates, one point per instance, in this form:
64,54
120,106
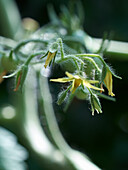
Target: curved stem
49,156
32,56
91,55
78,160
93,63
24,42
59,40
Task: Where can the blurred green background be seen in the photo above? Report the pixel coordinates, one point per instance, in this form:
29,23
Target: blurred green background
104,137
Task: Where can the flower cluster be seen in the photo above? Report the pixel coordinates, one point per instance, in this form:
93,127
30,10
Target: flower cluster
86,73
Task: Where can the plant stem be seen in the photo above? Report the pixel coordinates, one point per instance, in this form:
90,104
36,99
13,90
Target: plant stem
49,157
24,42
78,160
91,55
61,47
116,50
32,56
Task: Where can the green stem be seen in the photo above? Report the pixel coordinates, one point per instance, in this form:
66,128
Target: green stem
59,40
91,55
49,156
70,57
87,55
24,42
78,160
117,50
93,62
102,43
32,56
51,120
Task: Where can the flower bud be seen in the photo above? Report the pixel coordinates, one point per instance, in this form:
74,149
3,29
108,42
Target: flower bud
21,76
95,104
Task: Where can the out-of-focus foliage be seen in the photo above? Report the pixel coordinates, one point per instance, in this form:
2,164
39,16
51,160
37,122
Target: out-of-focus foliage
12,154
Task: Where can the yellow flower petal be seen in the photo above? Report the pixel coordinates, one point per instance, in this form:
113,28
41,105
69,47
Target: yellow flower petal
75,84
87,84
77,81
49,58
108,83
62,80
93,81
69,75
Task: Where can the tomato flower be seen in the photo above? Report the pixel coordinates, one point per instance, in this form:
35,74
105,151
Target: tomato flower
77,80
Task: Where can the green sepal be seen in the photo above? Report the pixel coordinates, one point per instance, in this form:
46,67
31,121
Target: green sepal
44,55
63,95
70,98
20,77
17,76
104,96
53,61
23,76
95,103
11,55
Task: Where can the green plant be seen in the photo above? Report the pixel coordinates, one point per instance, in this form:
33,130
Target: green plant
62,42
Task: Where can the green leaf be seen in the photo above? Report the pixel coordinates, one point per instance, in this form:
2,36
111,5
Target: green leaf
44,55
